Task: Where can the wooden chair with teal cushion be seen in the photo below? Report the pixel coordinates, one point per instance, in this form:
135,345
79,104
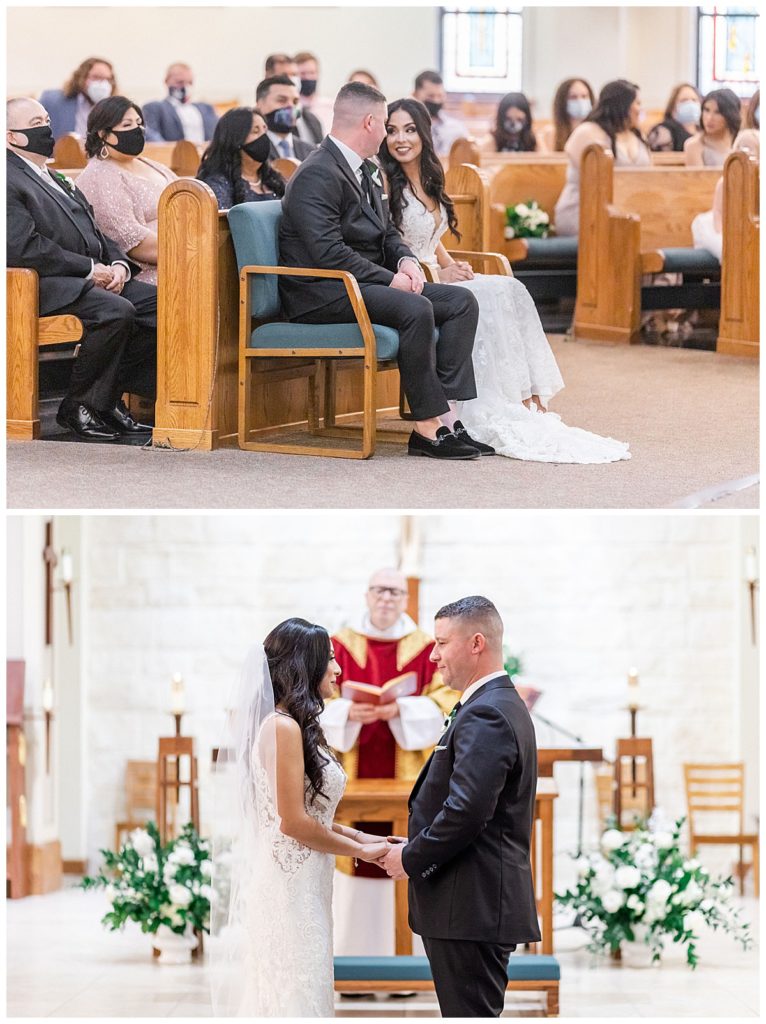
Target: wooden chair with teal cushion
526,973
303,350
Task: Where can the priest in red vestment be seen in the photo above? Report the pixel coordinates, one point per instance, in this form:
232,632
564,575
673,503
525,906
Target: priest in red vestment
385,741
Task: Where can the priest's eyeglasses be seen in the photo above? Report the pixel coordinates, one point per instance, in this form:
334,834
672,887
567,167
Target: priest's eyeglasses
393,591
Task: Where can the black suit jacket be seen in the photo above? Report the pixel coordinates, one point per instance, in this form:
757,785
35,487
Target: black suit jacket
471,814
301,149
44,234
327,222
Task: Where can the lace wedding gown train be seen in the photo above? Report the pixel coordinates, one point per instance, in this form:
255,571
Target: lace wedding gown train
289,960
512,360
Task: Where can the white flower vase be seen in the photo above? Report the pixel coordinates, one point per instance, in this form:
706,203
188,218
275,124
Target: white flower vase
174,948
637,953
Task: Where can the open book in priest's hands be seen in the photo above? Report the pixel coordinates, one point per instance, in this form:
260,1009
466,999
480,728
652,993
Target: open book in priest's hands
365,693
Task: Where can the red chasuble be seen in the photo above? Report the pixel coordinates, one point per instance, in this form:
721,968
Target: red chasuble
376,755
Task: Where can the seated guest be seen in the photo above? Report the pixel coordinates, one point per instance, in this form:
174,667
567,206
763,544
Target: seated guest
51,229
236,163
282,64
277,99
123,187
314,108
365,77
176,117
749,139
69,107
613,124
513,126
429,89
572,103
707,227
680,122
719,124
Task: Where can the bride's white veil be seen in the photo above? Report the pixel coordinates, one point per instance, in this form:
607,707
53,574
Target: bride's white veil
245,827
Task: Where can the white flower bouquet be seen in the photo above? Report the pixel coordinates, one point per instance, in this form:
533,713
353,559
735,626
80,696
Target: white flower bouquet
526,220
640,887
157,885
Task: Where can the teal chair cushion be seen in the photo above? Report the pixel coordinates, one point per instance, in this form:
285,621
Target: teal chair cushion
254,232
288,335
690,261
525,967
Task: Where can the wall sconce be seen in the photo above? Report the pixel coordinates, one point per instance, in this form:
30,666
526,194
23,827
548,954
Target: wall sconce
48,712
753,583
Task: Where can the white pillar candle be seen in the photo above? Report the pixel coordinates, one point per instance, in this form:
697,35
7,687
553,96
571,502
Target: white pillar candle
66,567
177,694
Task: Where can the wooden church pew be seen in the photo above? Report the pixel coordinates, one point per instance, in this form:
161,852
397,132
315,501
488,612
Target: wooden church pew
181,157
628,217
738,327
26,333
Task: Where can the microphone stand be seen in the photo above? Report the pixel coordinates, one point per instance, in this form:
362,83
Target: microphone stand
578,921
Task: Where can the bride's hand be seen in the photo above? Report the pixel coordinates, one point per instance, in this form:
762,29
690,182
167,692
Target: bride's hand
458,271
371,852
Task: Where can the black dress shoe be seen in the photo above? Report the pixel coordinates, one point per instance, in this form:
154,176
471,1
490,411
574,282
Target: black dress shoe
85,422
445,446
462,434
120,419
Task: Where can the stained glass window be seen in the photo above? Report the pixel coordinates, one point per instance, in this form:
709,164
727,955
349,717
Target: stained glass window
481,49
727,49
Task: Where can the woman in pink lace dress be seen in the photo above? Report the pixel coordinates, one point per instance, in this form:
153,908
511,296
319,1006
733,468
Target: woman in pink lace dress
122,186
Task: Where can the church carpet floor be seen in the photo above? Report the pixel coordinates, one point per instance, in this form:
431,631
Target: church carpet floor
691,419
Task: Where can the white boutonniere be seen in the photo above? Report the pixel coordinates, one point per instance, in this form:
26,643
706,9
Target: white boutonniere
440,747
65,181
375,174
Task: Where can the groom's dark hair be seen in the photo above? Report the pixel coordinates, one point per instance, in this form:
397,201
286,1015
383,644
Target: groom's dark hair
479,613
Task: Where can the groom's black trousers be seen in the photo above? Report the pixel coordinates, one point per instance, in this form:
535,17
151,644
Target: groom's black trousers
470,977
430,374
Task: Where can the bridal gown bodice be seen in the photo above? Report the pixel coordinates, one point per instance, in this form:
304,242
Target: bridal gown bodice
512,361
289,969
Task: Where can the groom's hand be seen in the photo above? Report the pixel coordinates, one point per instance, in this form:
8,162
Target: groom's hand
412,270
401,281
392,862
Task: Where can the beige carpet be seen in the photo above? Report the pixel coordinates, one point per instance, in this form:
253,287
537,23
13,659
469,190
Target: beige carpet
691,419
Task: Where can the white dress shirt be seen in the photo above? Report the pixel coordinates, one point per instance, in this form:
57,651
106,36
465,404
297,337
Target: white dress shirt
471,690
191,120
279,143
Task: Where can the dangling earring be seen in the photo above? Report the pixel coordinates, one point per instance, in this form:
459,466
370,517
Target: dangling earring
104,153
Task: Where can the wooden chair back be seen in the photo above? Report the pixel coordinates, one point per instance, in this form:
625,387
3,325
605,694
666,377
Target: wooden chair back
170,779
634,781
140,789
717,790
286,166
738,330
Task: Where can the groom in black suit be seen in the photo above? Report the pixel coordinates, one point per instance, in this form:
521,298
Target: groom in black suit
335,216
51,229
471,811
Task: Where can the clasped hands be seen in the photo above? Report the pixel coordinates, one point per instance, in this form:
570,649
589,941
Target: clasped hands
368,713
409,277
387,855
111,279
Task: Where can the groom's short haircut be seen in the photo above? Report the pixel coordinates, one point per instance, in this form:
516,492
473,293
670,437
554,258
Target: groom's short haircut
479,614
354,101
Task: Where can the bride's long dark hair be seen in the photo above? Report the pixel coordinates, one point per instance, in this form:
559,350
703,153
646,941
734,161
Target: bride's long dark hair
298,653
431,170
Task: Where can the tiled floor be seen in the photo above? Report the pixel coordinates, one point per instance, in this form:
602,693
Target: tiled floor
61,963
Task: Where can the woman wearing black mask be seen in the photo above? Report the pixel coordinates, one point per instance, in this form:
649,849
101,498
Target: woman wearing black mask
513,126
236,163
122,186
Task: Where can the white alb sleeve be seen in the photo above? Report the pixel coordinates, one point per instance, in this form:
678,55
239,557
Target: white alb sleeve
419,725
340,733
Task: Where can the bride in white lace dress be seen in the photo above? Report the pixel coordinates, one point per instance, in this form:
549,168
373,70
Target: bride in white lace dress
516,371
275,847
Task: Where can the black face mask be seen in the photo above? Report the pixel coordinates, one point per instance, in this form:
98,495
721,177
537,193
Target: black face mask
131,142
308,86
432,108
258,149
281,121
179,92
39,140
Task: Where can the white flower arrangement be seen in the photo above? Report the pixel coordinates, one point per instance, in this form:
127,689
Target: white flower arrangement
157,885
639,887
526,220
